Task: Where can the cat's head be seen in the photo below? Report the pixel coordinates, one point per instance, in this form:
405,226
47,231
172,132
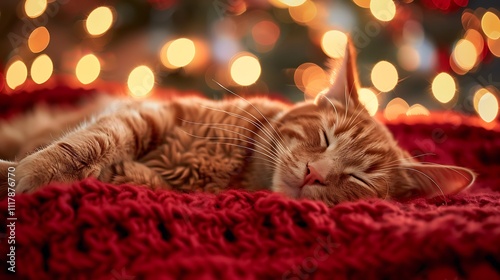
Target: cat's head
333,150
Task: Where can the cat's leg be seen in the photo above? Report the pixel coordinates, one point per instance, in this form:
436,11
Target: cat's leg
133,173
129,132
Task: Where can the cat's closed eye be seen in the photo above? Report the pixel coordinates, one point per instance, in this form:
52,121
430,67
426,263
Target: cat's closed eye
325,138
358,178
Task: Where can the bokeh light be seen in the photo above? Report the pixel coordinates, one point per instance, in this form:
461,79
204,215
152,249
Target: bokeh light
384,76
477,96
292,3
465,54
88,69
304,13
396,108
35,8
408,57
473,36
266,33
140,81
490,23
383,10
39,39
334,43
369,99
488,107
16,74
99,21
444,87
362,3
178,53
418,110
41,69
494,46
311,79
245,69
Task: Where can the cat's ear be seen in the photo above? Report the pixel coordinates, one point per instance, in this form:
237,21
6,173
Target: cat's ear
430,180
343,75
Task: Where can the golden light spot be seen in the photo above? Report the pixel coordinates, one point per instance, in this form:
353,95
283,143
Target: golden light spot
303,13
245,69
477,96
384,76
417,110
266,33
490,23
178,53
334,43
369,99
383,10
298,73
39,39
408,58
494,46
140,81
41,69
88,69
362,3
99,21
311,79
488,107
16,74
292,3
465,55
35,8
395,108
443,87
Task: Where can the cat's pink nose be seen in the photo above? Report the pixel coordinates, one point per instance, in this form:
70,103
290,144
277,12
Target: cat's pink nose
313,176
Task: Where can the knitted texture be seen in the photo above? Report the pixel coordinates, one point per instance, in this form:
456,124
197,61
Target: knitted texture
91,230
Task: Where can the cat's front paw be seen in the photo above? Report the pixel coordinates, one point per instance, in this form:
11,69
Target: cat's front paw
46,166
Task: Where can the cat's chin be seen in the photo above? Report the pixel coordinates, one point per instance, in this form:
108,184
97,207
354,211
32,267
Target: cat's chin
309,191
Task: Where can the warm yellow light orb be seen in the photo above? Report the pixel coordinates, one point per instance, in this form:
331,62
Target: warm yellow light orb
443,87
99,21
88,69
304,13
35,8
418,110
245,70
362,3
292,3
39,39
395,108
383,10
16,74
41,69
179,53
334,43
384,76
465,54
490,23
140,81
369,99
488,107
477,96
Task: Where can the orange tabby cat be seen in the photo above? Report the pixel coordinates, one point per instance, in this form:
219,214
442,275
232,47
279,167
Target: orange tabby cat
329,149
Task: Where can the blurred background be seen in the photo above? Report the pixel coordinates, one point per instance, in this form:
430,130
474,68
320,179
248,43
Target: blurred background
413,56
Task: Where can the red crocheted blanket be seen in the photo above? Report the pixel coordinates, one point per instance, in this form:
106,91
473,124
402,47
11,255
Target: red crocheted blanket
91,230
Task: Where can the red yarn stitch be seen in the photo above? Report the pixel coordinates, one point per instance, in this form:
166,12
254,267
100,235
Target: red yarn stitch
91,230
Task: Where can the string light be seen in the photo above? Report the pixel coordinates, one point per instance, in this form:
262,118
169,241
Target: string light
368,98
140,81
245,69
384,76
35,8
41,69
383,10
488,107
99,21
88,69
39,39
16,74
443,87
334,43
178,53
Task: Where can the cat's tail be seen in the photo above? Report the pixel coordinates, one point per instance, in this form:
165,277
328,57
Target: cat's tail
7,177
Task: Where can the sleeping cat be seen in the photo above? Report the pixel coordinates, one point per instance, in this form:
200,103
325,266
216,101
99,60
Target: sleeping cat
329,149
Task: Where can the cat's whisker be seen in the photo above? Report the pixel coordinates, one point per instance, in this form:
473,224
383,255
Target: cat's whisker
250,103
215,126
263,129
334,107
